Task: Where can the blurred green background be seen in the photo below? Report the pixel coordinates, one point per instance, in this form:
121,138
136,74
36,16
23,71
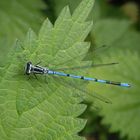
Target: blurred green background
116,27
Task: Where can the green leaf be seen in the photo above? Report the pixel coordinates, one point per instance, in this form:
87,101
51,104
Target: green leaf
56,6
109,31
16,17
31,108
102,9
123,115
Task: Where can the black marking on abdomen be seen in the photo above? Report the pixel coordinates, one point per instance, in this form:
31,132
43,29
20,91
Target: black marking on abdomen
95,80
115,83
108,82
82,77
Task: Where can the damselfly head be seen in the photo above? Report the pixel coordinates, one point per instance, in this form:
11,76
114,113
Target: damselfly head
28,68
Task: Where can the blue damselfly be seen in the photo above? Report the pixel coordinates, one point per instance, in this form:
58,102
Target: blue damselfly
37,69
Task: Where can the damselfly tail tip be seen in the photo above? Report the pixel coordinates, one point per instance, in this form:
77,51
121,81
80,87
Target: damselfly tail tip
125,85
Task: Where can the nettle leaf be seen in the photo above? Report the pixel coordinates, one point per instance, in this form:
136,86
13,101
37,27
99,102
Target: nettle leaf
16,16
123,115
56,7
33,108
106,34
15,19
102,9
109,31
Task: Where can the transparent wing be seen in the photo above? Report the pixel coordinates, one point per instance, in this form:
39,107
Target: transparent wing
78,84
85,67
102,48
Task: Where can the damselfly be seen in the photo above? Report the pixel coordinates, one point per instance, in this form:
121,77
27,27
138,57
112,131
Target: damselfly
37,69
